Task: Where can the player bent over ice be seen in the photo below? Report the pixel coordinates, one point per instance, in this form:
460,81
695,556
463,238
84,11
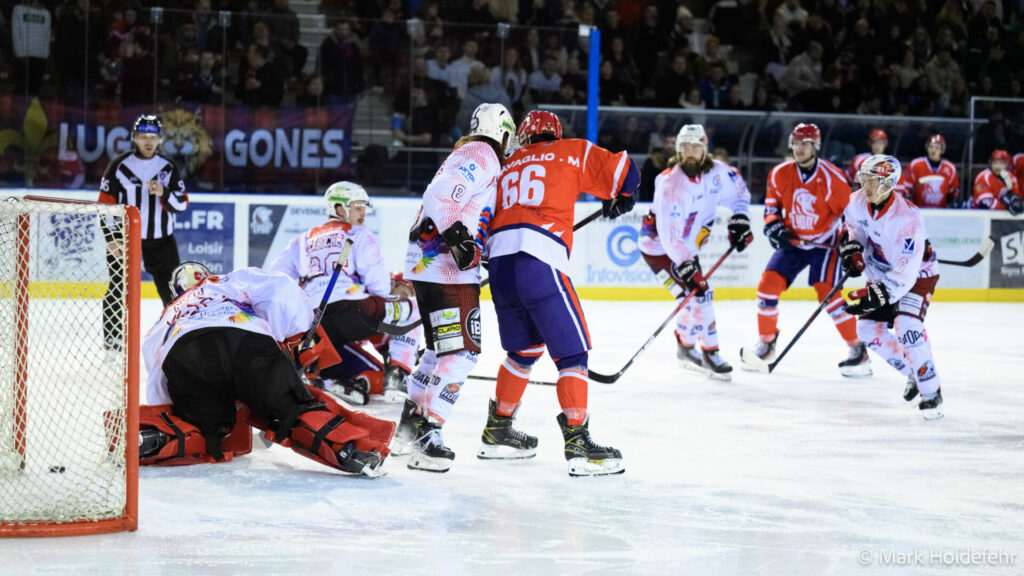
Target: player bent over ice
886,240
529,244
443,264
686,197
217,344
364,299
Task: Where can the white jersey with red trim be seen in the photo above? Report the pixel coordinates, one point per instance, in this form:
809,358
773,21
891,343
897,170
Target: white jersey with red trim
684,209
248,299
896,250
463,187
309,260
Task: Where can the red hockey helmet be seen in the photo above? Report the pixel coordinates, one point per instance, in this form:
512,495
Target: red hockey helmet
937,139
805,132
999,156
878,134
539,122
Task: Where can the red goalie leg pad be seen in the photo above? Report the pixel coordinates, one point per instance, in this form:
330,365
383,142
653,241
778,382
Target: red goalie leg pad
379,431
185,444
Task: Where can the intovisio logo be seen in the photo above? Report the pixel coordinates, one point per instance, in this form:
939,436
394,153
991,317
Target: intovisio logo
622,245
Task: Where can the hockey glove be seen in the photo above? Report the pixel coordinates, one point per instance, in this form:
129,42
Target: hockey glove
314,357
869,298
852,253
464,248
740,235
689,274
1014,203
617,206
778,236
401,287
423,233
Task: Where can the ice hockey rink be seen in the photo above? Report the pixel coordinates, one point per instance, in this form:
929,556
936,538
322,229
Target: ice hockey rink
800,472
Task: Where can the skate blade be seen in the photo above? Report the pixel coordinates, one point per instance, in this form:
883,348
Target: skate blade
428,464
401,447
687,365
349,398
721,377
498,452
858,371
394,396
933,414
374,471
583,467
753,363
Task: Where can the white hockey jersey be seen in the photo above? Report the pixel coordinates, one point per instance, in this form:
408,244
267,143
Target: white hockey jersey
896,251
248,299
309,259
684,209
464,185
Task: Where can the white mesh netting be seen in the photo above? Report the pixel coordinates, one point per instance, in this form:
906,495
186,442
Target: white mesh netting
63,367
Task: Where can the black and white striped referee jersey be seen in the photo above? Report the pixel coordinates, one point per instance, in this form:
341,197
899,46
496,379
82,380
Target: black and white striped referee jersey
125,182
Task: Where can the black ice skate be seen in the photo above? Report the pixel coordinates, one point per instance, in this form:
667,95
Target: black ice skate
151,441
931,407
717,368
395,389
910,392
358,462
428,450
355,391
689,357
500,441
764,351
858,364
585,457
401,444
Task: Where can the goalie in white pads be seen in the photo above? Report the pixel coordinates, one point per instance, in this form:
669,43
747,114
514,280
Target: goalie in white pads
217,344
886,240
686,197
364,299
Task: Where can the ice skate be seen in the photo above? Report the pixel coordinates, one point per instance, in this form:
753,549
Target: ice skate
428,450
756,359
931,407
716,367
910,392
689,357
394,384
858,364
401,444
500,441
585,457
358,462
355,391
151,441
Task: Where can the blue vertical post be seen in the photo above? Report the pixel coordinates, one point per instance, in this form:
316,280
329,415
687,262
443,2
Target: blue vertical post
593,76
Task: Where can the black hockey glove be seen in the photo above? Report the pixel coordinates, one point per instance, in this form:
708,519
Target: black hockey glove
1014,203
617,206
869,298
778,236
464,248
740,235
689,274
852,253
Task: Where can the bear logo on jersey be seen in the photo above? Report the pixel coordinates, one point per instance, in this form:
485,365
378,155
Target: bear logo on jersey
804,216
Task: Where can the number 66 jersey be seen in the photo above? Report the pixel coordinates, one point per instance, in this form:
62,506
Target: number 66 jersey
537,196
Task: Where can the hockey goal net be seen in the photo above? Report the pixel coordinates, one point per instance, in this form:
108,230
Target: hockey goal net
69,353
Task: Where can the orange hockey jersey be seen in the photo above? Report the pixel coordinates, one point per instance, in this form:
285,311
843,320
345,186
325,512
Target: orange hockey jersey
989,189
537,190
932,188
811,206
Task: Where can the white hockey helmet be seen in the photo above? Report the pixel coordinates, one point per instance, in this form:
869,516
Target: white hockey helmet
187,275
882,166
494,122
345,193
691,134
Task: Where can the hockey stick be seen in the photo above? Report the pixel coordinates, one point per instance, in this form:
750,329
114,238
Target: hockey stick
611,379
399,330
493,379
986,246
752,360
346,249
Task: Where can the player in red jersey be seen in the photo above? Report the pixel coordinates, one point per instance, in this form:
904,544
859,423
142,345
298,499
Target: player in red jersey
995,188
931,179
878,140
805,200
529,244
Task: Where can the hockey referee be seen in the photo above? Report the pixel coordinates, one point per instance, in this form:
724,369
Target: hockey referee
152,183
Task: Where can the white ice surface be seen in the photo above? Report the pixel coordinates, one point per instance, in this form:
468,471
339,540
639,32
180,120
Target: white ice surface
797,473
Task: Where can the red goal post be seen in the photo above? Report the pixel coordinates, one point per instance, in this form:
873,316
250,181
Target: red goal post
69,367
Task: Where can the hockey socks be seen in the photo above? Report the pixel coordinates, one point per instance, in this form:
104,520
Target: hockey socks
572,394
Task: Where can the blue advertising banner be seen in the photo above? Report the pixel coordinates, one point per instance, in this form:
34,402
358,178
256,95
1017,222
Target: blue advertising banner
206,233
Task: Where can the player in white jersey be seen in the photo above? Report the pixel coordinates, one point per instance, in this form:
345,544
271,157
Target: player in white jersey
443,264
686,198
217,344
886,240
364,298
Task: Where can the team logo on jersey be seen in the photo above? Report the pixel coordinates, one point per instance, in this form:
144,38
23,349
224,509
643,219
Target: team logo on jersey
876,253
688,224
804,216
908,245
473,325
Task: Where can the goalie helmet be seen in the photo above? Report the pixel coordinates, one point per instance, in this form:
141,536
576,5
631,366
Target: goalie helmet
187,275
882,166
494,122
804,133
345,193
691,134
539,122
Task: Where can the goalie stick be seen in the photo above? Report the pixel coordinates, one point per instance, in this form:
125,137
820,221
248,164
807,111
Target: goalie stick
986,246
759,364
612,378
399,330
